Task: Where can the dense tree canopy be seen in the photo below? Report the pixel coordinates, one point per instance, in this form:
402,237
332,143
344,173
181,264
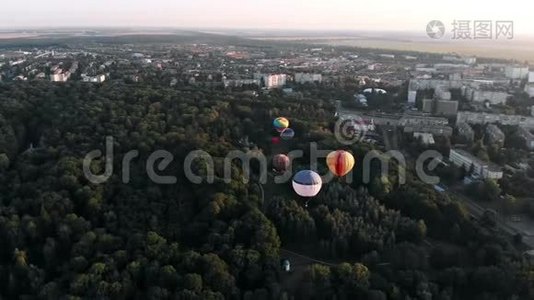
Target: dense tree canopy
63,235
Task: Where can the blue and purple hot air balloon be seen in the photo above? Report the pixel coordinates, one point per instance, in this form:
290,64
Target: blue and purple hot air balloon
307,183
287,134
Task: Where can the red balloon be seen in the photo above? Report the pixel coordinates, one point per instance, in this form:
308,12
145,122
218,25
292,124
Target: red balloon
281,162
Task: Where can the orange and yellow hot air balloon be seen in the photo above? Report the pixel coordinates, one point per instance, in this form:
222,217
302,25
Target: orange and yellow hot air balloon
340,162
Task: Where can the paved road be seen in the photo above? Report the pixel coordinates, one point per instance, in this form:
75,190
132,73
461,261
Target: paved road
299,263
300,259
389,133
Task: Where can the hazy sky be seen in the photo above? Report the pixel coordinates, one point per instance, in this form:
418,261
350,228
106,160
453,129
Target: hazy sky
276,14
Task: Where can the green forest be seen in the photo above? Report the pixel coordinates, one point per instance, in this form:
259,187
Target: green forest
63,237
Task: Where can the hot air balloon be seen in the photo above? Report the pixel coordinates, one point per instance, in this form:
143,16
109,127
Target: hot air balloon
275,140
281,162
340,162
307,183
280,124
287,134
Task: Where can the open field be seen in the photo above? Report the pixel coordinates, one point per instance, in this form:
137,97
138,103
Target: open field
519,48
16,35
505,49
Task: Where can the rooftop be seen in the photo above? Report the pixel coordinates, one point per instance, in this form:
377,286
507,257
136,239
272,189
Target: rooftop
489,165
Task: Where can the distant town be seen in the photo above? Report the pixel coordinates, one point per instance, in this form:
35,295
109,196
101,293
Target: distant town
62,98
444,95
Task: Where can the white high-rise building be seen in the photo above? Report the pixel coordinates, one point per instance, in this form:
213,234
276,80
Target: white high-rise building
482,169
308,77
516,72
412,95
60,76
470,60
272,81
94,79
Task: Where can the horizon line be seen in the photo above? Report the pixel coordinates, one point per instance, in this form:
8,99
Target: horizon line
4,29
